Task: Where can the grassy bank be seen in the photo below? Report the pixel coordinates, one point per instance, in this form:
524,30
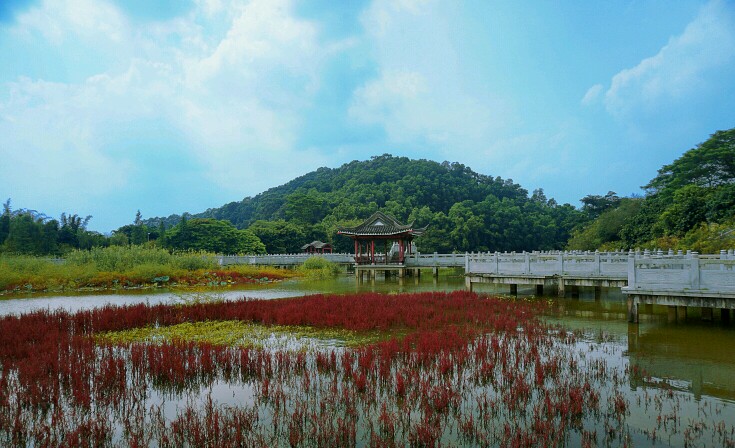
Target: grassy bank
318,268
125,267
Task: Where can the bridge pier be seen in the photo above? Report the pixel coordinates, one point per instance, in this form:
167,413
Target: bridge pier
681,313
575,291
561,292
632,310
707,314
671,317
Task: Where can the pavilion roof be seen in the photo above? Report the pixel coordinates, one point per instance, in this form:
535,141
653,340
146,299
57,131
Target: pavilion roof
315,244
381,224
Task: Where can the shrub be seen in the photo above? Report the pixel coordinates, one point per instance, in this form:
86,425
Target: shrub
318,267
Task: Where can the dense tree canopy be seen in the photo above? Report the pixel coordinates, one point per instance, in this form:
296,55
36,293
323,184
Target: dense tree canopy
711,164
33,233
465,211
212,235
689,200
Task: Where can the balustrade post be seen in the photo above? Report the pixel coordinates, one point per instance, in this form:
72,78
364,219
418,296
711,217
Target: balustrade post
694,273
597,262
631,270
526,263
723,256
466,263
561,263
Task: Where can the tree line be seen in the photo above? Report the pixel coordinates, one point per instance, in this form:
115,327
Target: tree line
689,204
31,233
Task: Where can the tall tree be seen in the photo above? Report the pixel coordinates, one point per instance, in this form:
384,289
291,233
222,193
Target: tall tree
139,231
5,222
710,164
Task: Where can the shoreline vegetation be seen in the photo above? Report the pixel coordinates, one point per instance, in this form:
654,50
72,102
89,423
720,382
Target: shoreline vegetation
129,267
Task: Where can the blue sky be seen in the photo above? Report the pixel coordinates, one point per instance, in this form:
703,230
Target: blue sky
107,107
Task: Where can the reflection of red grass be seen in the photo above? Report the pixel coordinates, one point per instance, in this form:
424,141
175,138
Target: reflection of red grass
483,366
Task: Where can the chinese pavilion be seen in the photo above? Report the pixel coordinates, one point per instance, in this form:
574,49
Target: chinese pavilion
393,240
317,247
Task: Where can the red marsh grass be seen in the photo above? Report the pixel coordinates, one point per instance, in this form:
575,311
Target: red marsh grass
451,369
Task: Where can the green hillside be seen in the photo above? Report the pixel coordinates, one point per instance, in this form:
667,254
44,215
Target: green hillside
465,210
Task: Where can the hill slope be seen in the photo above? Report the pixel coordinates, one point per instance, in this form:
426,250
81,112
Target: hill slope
464,209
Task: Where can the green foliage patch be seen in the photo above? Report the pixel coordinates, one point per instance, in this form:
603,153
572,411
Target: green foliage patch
318,268
242,334
690,204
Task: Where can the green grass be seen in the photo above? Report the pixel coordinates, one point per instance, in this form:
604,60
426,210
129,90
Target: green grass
242,334
120,267
318,268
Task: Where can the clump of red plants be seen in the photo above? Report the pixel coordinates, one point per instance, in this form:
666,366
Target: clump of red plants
453,369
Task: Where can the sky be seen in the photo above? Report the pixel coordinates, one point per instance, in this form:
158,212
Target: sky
112,106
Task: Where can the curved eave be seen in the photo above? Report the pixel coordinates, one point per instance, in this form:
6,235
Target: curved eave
385,234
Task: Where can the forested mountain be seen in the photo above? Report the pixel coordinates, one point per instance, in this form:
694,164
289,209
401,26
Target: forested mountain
465,210
690,204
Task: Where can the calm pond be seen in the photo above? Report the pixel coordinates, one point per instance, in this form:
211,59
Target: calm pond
694,359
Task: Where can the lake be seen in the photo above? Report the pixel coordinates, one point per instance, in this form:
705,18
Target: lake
689,363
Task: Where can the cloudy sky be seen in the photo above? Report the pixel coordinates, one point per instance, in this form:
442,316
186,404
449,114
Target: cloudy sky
107,107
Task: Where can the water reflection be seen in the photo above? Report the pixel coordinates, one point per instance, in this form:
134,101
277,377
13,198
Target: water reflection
694,357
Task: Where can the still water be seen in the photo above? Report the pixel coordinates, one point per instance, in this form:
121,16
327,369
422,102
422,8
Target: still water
691,357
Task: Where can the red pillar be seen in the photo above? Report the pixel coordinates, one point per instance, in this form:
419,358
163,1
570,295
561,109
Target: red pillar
372,251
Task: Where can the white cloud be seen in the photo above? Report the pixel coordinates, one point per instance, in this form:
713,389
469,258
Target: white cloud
409,108
48,140
236,101
592,95
682,67
421,92
60,19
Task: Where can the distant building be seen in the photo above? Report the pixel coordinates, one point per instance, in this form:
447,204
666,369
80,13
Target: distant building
317,247
396,239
